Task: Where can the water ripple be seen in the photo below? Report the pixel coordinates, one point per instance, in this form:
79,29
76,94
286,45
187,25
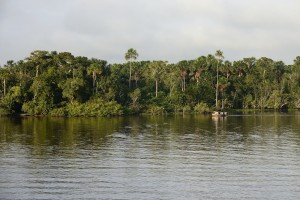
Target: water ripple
151,159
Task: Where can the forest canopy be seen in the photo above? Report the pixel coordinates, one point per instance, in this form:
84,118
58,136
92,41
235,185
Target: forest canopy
61,84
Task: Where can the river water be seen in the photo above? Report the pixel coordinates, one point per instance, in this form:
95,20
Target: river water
249,156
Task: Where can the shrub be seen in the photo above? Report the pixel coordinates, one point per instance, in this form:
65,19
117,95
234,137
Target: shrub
4,112
58,112
94,108
186,108
155,110
28,108
201,108
36,108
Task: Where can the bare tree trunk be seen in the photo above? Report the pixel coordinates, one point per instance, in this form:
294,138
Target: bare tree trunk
96,87
217,86
156,88
94,82
37,71
222,100
4,87
129,75
184,84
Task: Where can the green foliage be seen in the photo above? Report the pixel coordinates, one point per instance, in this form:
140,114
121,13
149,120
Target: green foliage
186,108
135,97
183,109
58,112
36,108
95,70
201,108
29,108
131,55
11,102
4,112
274,100
70,88
155,110
94,108
60,84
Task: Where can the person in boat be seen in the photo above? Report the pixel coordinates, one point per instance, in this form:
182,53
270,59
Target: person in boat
219,113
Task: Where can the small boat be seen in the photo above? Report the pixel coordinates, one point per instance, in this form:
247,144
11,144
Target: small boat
219,114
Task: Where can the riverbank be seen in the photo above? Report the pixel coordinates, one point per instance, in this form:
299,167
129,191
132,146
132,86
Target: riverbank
83,111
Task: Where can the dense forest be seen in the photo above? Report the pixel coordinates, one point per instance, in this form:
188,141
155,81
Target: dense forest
60,84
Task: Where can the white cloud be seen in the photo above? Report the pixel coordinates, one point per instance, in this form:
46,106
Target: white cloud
159,29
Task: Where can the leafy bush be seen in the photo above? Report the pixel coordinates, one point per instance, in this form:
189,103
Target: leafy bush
11,103
182,109
201,108
29,108
4,112
58,112
36,108
96,107
155,110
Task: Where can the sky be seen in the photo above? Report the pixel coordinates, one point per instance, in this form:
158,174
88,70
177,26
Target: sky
170,30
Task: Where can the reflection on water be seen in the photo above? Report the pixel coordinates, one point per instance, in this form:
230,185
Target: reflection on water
250,156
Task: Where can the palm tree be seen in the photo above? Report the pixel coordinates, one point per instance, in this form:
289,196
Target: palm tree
138,69
96,69
156,69
250,62
170,77
200,65
220,57
64,62
226,69
130,56
4,74
184,72
39,59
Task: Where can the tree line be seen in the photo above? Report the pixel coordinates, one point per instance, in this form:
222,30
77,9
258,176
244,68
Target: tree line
60,84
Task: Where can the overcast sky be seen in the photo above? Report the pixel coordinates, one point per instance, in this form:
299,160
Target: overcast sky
170,30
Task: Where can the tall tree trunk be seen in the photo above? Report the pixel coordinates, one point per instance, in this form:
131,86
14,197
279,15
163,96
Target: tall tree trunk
129,75
222,100
156,88
184,83
4,87
96,87
37,71
217,86
94,82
